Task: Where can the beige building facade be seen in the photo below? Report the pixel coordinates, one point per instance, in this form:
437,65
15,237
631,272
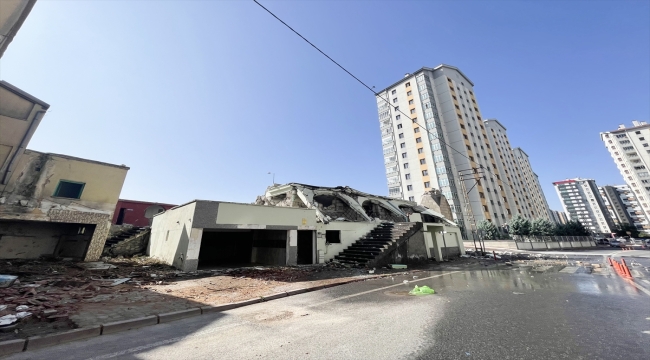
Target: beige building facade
434,137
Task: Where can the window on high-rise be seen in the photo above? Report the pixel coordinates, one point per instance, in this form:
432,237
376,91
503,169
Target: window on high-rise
411,198
399,126
407,84
412,111
417,130
420,150
395,101
411,102
425,172
427,184
423,161
418,140
393,92
407,176
409,187
409,93
406,165
402,145
404,157
401,136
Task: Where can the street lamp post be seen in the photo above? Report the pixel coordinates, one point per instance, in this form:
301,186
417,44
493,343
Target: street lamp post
270,173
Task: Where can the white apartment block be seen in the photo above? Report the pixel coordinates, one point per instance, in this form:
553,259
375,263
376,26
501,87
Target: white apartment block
432,129
630,149
582,202
623,206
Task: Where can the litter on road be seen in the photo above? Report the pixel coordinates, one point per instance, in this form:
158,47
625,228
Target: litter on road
422,290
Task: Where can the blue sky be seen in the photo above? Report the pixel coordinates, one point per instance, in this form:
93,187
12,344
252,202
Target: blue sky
203,98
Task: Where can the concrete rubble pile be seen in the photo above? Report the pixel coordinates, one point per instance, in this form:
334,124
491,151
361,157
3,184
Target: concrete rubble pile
51,291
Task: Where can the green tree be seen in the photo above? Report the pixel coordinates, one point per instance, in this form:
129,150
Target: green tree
571,228
489,230
542,227
622,230
519,225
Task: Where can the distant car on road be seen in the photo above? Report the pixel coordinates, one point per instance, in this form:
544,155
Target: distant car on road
616,243
602,241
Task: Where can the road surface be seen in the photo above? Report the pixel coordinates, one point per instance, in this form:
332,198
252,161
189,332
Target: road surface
533,313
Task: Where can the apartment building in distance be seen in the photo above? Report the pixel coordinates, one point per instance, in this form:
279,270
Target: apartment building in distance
582,202
630,149
558,217
623,206
433,131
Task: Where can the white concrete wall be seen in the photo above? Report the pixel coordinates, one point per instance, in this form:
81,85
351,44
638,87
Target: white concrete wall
246,214
170,236
350,232
434,240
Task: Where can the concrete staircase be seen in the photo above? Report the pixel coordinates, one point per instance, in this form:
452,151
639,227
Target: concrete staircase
378,244
126,236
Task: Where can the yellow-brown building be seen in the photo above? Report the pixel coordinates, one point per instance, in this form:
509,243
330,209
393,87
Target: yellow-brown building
50,204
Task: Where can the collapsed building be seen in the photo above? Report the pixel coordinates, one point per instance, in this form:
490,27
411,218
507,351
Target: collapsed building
303,224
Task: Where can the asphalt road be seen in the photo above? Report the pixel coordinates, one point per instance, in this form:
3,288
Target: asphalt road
534,313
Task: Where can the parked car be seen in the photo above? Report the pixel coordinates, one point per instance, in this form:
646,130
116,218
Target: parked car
616,243
602,241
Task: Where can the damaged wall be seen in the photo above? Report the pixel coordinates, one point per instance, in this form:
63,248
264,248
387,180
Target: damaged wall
30,194
436,201
31,239
350,232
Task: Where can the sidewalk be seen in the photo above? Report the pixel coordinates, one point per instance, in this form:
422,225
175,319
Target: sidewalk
61,296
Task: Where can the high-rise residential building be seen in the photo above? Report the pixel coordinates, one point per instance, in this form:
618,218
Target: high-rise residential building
558,217
522,189
623,206
630,149
432,133
582,202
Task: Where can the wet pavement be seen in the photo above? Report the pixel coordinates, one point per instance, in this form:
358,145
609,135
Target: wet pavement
535,311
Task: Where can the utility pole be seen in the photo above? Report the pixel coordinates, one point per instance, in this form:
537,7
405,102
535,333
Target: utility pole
474,173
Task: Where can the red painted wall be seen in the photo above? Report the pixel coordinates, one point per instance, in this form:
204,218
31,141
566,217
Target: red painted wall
134,212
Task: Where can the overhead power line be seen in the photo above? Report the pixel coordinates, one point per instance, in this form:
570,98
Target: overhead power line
396,108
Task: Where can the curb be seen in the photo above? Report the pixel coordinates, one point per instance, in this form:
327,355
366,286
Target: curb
39,342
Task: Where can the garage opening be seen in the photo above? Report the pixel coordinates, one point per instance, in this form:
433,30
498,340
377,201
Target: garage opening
305,247
33,239
242,248
224,248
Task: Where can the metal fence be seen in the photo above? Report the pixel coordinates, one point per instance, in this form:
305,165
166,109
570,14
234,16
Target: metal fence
535,238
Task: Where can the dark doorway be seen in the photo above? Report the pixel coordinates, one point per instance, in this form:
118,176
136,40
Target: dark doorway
120,217
220,248
305,247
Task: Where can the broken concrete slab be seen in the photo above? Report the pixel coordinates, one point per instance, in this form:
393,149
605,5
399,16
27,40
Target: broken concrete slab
96,265
125,325
176,315
39,342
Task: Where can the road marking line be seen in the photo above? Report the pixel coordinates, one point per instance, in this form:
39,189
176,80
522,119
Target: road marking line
570,269
646,291
646,332
382,288
646,281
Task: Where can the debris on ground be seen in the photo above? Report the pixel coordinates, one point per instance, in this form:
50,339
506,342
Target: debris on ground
7,280
422,290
